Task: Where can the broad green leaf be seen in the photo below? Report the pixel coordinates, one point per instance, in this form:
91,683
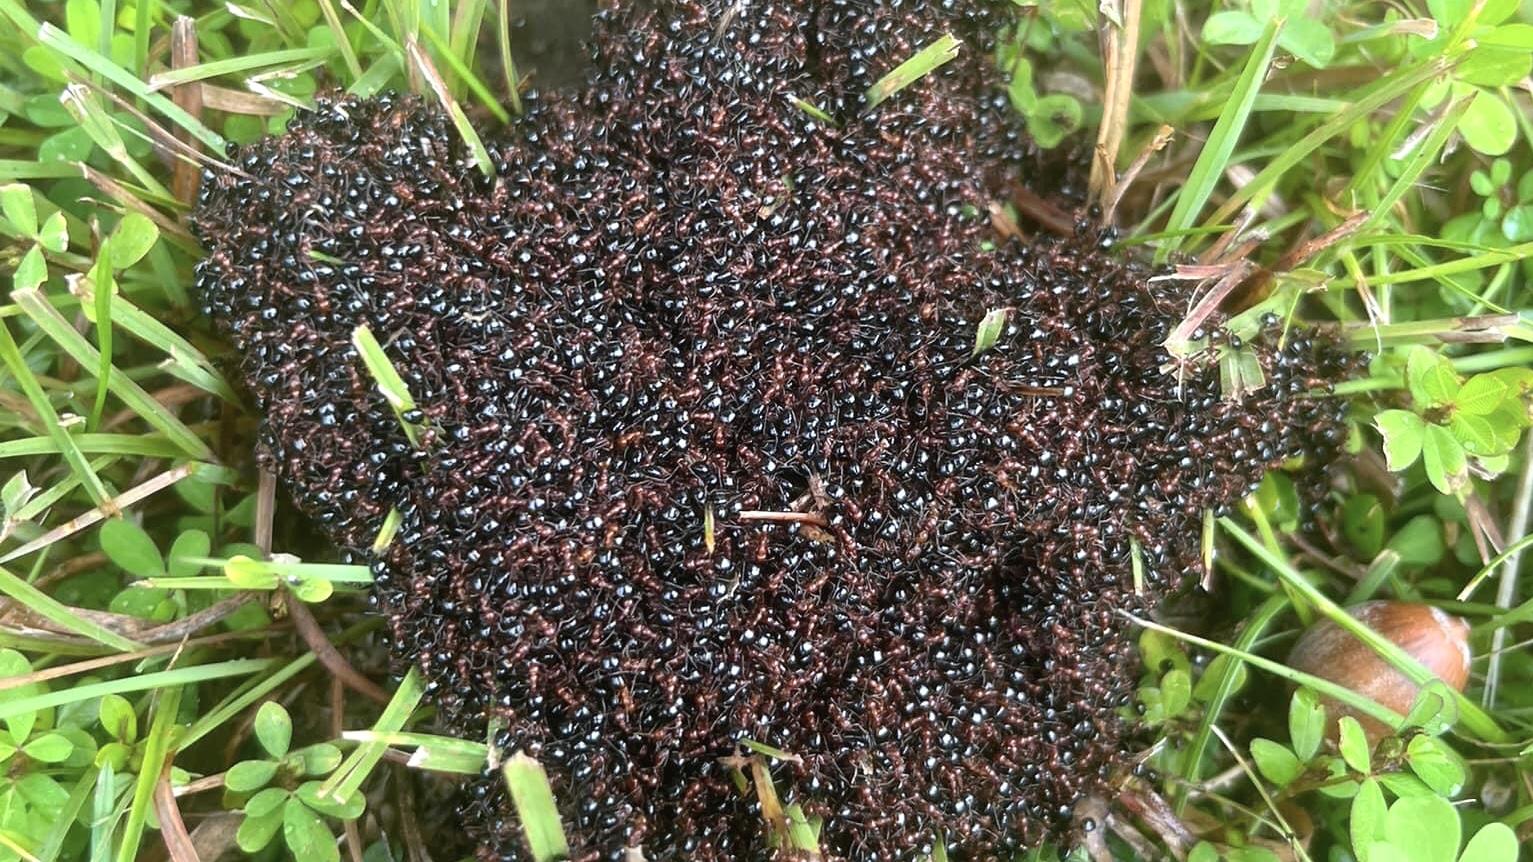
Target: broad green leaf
1434,710
1482,394
350,809
1306,723
1426,826
1404,784
1443,456
1495,842
1203,852
1517,224
1435,764
130,547
48,748
1275,761
1023,96
249,775
989,330
1419,542
32,271
1367,821
1402,431
1431,378
132,239
54,235
42,791
190,545
114,755
306,834
82,20
1490,125
1478,436
1500,57
118,718
14,664
1231,27
1354,745
19,208
265,802
313,590
1310,40
1176,692
316,760
1054,117
273,728
1362,523
257,832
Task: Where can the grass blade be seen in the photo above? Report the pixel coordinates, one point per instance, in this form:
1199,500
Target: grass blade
919,65
95,444
1473,718
106,285
535,807
62,441
390,384
1216,152
348,777
59,41
151,411
157,749
142,682
436,753
1372,99
236,65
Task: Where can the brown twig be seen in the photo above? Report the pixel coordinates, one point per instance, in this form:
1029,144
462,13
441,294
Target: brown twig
111,508
60,671
201,785
178,842
266,507
1120,51
185,176
314,636
1115,194
1044,213
814,518
353,834
1304,251
408,824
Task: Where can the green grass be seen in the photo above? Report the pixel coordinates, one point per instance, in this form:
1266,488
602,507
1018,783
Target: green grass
1374,164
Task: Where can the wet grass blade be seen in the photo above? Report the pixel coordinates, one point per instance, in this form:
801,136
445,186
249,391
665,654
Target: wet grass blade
1215,156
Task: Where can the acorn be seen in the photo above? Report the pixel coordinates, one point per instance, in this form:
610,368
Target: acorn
1436,639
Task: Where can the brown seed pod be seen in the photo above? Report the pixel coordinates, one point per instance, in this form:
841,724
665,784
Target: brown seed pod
1438,640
